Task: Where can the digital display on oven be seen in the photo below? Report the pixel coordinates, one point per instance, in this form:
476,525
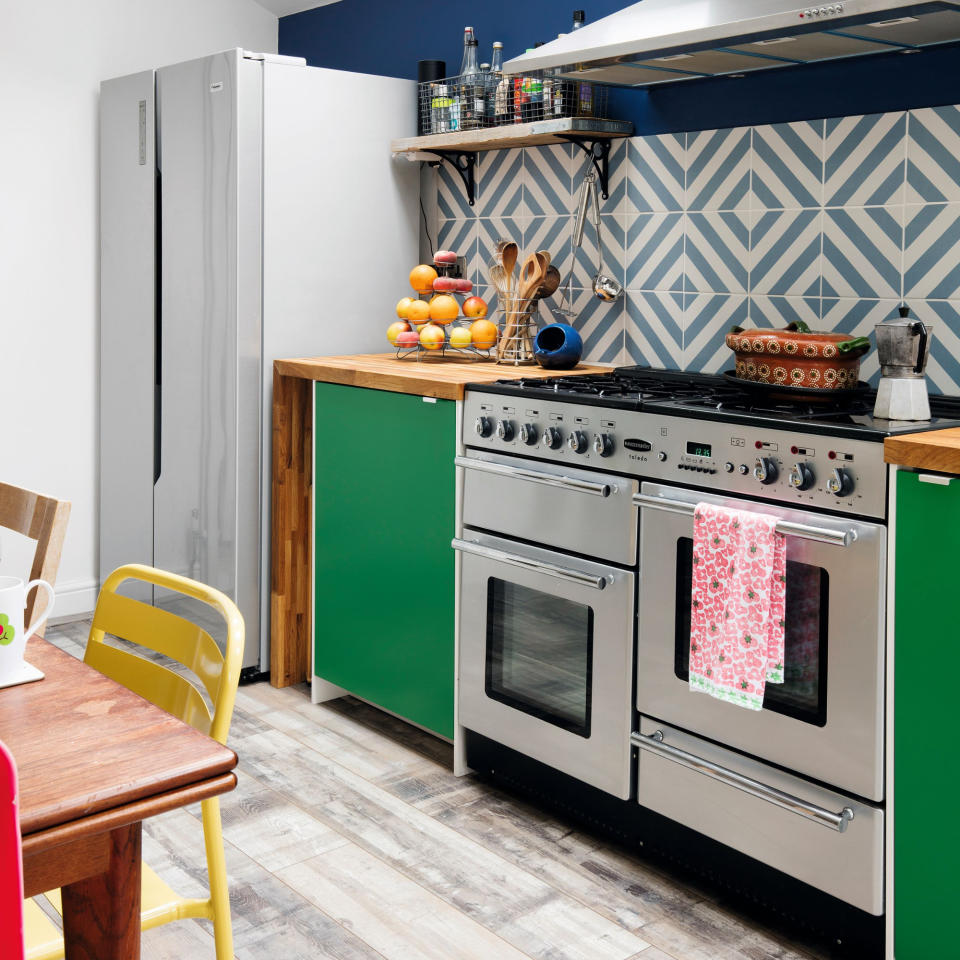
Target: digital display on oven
699,449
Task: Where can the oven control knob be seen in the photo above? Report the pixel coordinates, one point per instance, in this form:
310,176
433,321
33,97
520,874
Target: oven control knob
577,441
483,426
743,469
603,444
662,455
528,434
505,430
840,483
801,476
552,438
765,470
728,466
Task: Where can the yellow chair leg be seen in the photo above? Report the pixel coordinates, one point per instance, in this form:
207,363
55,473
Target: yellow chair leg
217,872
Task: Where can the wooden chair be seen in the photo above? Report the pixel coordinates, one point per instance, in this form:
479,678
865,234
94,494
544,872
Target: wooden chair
42,519
160,631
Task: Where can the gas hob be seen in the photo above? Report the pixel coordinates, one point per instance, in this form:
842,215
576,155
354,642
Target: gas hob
699,430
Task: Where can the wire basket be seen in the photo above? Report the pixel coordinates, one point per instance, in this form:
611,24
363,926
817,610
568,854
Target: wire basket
518,330
472,102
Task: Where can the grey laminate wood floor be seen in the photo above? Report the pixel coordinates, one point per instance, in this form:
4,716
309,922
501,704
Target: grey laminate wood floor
348,837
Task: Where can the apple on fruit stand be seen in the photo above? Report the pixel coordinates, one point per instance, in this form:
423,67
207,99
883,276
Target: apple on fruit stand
474,307
408,338
460,337
432,337
395,329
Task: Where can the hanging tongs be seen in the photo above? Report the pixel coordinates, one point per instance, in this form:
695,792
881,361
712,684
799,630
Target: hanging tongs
589,187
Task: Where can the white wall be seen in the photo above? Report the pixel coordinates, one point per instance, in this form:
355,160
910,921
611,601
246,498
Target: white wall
52,58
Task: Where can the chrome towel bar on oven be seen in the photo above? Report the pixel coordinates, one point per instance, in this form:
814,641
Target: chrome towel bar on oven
827,818
841,538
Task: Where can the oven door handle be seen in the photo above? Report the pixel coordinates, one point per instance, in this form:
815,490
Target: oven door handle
537,566
840,538
518,473
654,744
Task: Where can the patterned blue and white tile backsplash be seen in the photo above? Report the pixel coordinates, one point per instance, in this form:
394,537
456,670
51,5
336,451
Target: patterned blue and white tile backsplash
830,221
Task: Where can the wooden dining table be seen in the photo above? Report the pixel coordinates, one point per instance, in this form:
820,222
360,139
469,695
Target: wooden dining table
94,761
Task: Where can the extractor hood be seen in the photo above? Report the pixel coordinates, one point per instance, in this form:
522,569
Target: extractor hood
663,41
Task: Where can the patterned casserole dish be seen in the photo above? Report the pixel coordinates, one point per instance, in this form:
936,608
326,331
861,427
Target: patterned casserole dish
798,357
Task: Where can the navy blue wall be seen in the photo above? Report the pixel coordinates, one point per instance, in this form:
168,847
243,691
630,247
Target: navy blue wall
388,37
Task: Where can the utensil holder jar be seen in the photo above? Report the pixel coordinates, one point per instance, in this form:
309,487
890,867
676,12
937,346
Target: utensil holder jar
518,330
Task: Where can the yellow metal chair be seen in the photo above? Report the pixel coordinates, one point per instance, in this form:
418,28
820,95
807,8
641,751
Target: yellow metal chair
181,640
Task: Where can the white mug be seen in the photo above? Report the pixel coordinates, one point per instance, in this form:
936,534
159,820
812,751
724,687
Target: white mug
13,638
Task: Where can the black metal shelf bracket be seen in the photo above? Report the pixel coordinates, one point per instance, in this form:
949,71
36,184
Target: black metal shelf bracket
464,163
598,150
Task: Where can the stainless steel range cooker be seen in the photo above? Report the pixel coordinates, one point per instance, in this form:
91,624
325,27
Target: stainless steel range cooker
575,605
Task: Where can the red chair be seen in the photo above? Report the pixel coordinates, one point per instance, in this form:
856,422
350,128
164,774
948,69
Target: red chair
11,865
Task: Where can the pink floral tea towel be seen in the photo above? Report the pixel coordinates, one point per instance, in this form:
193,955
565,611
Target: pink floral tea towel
737,620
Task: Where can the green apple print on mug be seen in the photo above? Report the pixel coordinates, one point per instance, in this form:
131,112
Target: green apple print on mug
6,630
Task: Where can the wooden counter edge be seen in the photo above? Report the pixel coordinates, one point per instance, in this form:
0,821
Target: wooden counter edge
937,450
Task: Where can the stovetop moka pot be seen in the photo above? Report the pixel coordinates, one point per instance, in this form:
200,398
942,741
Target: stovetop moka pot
903,347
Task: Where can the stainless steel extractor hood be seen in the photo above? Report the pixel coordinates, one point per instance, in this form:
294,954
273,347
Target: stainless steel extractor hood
663,41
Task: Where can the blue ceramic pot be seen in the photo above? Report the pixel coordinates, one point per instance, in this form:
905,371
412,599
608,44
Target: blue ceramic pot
558,347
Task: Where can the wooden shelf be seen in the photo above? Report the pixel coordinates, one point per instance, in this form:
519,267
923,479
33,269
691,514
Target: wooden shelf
533,134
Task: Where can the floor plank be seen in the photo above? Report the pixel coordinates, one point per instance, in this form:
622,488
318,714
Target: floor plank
348,837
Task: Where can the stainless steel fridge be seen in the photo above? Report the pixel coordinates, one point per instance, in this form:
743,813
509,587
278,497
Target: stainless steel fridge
249,210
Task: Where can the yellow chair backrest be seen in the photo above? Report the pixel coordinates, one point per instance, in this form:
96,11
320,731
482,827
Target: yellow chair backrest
173,636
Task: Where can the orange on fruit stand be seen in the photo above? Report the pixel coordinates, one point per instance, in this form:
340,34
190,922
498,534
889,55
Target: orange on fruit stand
444,308
483,333
418,311
402,306
422,277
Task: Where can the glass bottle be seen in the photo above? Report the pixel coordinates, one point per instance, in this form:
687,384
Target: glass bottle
579,17
471,88
501,108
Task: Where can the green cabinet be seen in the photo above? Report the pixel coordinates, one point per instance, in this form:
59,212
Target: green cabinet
384,516
926,718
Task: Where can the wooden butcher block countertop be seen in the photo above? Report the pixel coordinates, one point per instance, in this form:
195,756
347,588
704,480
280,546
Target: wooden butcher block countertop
934,450
445,379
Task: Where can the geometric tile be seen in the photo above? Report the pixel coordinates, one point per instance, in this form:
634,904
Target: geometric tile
776,313
708,318
787,167
586,259
933,155
931,267
865,160
862,251
501,183
943,365
654,329
785,252
548,179
858,318
461,237
654,251
452,203
655,173
600,324
718,169
717,252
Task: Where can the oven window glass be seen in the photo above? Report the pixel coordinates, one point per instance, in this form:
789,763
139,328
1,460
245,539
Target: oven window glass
540,654
803,693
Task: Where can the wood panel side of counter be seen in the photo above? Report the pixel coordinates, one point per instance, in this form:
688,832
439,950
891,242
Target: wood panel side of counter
937,450
291,575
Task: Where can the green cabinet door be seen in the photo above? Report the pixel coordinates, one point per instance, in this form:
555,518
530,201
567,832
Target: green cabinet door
383,567
926,719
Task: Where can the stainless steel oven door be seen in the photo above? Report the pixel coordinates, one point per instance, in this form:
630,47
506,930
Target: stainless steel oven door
546,644
826,719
